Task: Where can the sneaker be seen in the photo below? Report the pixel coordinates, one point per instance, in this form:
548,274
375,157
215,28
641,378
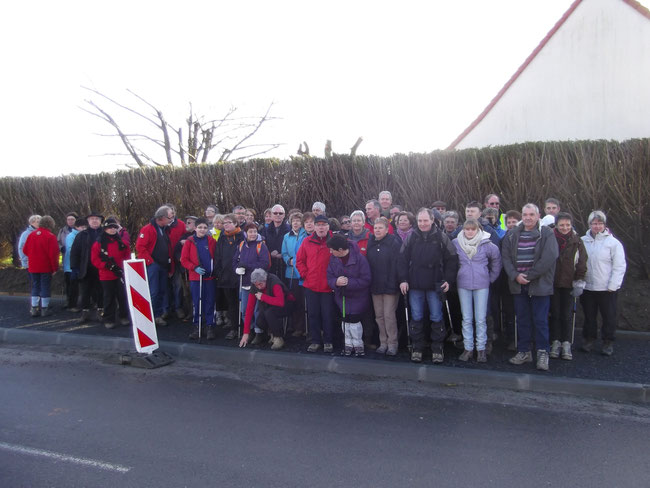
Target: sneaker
258,339
392,351
542,360
109,324
313,347
481,357
587,345
278,343
416,356
566,351
555,349
327,347
231,335
521,358
180,313
608,348
160,321
212,334
382,349
466,355
347,350
35,311
437,357
195,332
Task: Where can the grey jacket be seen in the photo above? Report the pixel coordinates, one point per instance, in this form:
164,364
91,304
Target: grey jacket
543,271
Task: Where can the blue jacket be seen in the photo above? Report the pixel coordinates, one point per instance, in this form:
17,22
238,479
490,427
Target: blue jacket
69,239
24,260
290,245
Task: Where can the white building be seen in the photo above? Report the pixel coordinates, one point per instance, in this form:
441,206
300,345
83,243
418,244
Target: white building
589,78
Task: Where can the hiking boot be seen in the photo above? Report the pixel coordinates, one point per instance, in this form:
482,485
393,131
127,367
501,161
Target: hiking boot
329,348
220,321
382,349
258,339
313,347
392,351
608,348
555,349
466,355
348,350
416,356
231,335
542,360
160,321
566,351
587,345
85,316
195,332
278,343
270,341
521,358
46,311
212,334
437,357
35,311
481,357
109,324
124,321
180,313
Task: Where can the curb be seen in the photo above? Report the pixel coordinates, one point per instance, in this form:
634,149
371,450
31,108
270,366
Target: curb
444,375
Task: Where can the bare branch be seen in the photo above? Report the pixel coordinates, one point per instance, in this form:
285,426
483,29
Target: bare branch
353,149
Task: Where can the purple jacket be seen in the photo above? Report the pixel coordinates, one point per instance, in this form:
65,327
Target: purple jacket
482,269
247,257
357,271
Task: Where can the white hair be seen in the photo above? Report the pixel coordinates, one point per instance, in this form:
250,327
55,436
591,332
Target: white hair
597,215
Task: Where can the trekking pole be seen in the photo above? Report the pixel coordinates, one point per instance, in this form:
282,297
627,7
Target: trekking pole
241,277
573,327
200,304
409,345
516,341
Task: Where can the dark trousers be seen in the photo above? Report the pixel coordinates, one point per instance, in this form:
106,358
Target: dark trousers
592,302
114,295
494,309
320,313
71,290
91,289
438,333
41,284
207,301
560,322
454,311
508,309
531,311
271,319
231,297
297,320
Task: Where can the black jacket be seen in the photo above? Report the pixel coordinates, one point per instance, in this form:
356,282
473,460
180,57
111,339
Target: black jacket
226,248
382,256
80,250
426,260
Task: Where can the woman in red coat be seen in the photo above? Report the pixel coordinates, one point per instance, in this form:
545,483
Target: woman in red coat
108,254
42,249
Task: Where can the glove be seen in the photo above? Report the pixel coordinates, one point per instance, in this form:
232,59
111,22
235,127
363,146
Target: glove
74,274
199,270
240,271
578,288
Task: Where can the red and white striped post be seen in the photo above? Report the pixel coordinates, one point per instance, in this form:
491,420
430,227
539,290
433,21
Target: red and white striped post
140,307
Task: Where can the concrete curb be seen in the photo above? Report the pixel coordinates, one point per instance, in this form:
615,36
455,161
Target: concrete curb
606,390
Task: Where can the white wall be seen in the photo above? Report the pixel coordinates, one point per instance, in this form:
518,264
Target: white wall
590,81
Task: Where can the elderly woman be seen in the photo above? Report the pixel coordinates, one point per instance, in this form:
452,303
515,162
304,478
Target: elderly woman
217,226
358,232
290,245
405,222
605,270
42,250
274,300
384,287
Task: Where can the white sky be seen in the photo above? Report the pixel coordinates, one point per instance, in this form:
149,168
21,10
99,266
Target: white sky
408,76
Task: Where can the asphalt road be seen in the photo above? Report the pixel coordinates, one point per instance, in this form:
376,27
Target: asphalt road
70,420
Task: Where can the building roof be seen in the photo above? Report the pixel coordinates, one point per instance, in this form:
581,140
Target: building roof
632,3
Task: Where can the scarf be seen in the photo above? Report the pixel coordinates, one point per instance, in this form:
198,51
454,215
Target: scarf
562,240
104,240
470,247
403,235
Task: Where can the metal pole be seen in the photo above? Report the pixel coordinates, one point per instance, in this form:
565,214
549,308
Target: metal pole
200,303
239,314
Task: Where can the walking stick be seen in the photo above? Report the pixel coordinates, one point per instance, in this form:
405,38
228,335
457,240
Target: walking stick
409,345
573,327
516,340
200,304
241,277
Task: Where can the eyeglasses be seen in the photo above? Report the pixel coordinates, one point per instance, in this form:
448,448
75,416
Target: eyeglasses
345,222
493,204
278,213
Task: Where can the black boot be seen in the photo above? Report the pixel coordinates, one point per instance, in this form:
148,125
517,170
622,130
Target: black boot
212,334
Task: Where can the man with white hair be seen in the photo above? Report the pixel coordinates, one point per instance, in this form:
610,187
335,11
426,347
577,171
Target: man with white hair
385,202
529,252
274,235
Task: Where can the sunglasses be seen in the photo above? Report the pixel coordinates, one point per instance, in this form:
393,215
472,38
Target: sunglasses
278,213
345,222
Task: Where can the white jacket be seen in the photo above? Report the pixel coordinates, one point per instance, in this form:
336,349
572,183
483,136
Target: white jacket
606,264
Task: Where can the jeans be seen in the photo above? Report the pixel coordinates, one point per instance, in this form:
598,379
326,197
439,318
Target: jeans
416,301
207,301
529,310
175,291
474,311
320,313
244,302
41,284
157,287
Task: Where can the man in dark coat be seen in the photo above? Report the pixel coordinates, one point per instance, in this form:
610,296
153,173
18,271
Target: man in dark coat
83,269
273,234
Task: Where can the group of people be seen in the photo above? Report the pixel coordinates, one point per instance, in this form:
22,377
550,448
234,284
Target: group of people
364,277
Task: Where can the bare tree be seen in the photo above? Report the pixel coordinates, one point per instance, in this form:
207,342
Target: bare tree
229,136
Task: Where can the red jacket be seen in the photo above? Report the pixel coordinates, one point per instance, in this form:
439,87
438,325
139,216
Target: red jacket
312,260
113,251
42,249
190,257
176,232
145,243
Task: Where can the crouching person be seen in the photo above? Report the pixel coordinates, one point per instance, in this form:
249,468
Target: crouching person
197,257
108,254
348,274
275,303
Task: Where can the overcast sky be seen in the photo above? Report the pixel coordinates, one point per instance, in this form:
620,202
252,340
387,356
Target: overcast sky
408,76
